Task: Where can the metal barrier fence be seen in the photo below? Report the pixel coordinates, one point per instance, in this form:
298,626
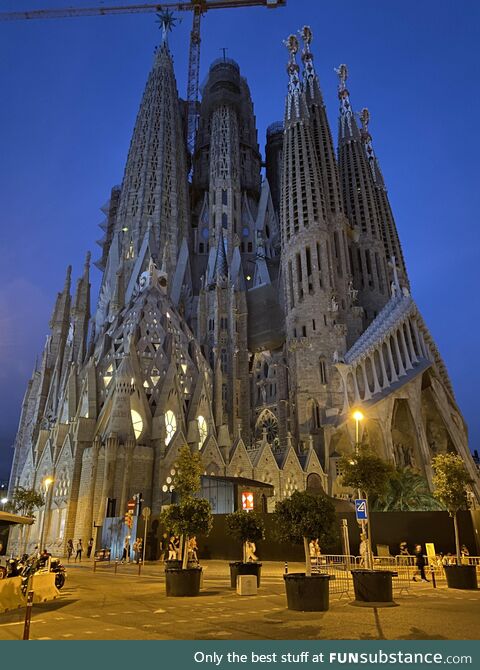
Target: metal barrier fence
339,567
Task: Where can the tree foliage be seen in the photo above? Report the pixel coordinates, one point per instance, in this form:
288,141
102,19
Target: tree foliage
189,467
25,501
366,471
407,491
193,516
450,481
243,526
305,515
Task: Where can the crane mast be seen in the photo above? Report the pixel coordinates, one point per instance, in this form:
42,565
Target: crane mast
197,7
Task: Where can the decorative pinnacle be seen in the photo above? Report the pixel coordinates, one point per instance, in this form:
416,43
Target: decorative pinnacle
365,119
88,256
307,36
167,22
342,73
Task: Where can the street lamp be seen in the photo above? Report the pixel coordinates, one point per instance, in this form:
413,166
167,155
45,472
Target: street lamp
359,416
46,483
4,502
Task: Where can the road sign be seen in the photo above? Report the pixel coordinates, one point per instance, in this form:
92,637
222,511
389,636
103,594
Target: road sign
146,511
361,510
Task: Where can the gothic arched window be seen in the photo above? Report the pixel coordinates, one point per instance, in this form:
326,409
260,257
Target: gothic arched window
170,425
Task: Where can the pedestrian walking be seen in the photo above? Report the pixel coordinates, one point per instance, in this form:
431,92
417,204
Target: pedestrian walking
89,547
192,549
172,549
126,550
79,551
69,549
420,564
164,547
403,549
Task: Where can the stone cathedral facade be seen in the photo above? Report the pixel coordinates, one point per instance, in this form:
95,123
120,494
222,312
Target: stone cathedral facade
244,313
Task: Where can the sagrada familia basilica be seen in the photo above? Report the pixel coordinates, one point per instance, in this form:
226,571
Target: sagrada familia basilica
243,312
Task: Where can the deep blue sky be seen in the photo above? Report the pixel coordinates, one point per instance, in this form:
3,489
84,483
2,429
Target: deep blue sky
70,91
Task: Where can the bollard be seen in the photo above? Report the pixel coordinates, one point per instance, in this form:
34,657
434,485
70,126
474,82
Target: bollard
28,616
139,568
432,572
116,566
286,567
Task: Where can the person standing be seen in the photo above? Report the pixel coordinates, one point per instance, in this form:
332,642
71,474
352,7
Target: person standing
164,547
420,564
126,550
89,547
69,549
363,548
79,551
172,550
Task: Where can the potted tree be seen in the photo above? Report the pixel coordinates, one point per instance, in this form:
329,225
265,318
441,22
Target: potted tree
368,474
245,527
450,484
190,516
299,519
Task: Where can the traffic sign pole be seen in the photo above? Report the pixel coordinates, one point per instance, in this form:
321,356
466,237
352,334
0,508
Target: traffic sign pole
146,511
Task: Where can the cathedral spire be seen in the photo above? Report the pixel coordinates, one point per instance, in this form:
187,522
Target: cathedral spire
348,125
220,268
295,107
154,190
322,135
393,248
370,275
310,78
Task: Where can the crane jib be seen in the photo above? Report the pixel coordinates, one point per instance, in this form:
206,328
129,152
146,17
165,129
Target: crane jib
71,12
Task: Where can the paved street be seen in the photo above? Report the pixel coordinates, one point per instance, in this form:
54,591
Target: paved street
125,606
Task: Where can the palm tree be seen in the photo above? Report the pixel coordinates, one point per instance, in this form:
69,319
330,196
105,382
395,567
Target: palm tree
407,492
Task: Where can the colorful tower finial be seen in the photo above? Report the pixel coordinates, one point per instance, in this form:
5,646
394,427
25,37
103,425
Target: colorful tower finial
309,73
294,90
346,114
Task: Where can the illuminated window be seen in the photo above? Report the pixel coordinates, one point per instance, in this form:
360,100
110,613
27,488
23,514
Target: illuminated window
107,377
202,429
170,425
137,422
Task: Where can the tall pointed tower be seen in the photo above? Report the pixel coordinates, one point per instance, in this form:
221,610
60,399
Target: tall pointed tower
393,248
151,208
314,332
370,275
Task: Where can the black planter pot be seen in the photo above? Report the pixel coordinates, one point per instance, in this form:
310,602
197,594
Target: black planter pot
307,593
173,563
181,583
461,576
239,568
373,586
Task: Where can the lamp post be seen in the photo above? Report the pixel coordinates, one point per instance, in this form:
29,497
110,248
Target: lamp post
4,502
46,483
359,416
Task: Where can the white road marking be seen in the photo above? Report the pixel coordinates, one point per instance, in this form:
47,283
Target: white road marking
44,638
67,634
158,611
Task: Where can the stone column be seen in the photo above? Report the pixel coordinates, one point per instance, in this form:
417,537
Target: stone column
401,368
408,363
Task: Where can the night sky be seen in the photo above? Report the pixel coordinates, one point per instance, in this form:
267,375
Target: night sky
70,92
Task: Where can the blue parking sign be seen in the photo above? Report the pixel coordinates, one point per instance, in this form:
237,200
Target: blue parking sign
361,511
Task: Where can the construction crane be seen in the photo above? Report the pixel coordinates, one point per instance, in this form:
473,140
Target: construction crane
198,9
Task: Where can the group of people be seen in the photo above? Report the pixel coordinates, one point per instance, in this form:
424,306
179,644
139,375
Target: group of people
137,550
421,560
79,549
171,549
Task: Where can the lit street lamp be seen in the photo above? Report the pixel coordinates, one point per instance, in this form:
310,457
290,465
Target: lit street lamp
359,416
46,483
4,502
